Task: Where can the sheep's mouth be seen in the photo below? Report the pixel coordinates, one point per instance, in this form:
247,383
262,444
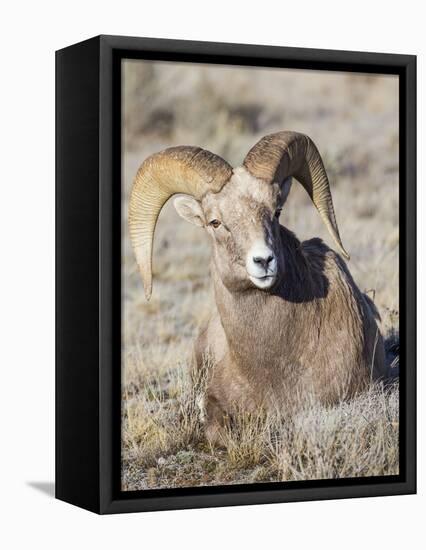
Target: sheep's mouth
266,281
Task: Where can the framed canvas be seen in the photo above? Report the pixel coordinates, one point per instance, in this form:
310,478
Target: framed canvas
232,353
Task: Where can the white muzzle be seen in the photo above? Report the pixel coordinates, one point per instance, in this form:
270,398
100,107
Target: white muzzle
261,265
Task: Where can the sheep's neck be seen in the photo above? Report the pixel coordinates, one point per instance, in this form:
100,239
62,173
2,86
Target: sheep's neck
254,319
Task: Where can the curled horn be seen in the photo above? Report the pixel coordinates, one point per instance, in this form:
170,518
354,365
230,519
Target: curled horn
278,156
188,170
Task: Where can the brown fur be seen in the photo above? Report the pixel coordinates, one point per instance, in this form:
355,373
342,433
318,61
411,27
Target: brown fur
312,335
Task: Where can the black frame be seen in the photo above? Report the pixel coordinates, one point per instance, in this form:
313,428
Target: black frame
88,322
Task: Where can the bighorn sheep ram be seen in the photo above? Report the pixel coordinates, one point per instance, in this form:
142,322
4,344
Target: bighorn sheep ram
289,320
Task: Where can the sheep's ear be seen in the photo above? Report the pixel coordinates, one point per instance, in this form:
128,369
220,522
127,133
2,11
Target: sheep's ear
285,190
190,210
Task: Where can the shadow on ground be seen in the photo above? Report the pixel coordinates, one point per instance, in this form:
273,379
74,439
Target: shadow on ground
46,487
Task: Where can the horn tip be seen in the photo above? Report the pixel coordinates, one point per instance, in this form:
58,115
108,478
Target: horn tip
148,290
147,282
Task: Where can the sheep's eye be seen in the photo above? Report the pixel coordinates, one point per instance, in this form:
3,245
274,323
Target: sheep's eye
278,212
215,223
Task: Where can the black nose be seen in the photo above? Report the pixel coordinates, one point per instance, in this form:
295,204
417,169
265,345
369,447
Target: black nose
264,262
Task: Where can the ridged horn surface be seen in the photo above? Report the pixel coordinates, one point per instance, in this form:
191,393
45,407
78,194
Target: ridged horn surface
278,156
190,170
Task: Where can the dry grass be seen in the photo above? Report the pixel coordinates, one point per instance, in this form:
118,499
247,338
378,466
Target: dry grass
353,120
164,447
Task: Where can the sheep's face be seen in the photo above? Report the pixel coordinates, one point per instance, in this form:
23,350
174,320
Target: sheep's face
242,221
